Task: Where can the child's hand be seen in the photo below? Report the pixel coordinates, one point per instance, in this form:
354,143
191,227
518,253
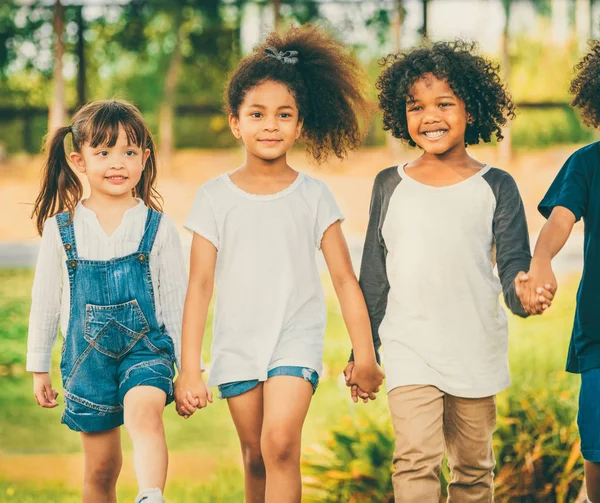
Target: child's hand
368,377
45,394
191,394
355,393
536,288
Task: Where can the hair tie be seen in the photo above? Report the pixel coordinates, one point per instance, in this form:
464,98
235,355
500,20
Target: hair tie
288,57
70,129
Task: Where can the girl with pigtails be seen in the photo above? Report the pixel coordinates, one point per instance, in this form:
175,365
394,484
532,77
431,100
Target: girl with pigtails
256,232
110,271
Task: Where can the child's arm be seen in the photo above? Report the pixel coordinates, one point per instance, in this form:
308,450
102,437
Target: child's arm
366,373
513,252
564,204
552,238
45,315
203,258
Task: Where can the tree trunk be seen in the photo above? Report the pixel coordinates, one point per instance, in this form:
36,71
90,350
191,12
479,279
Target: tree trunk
396,32
277,14
425,27
560,21
81,66
166,123
505,146
583,22
57,114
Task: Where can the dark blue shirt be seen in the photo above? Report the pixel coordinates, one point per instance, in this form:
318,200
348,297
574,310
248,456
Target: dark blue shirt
577,188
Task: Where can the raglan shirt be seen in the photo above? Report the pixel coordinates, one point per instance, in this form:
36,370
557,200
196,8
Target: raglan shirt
577,188
427,274
270,308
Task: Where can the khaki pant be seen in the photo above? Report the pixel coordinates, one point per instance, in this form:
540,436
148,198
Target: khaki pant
425,421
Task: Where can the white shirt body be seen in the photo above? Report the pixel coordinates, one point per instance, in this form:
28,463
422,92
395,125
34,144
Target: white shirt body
270,309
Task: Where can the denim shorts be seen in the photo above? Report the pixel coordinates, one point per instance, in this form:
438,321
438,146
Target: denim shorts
231,389
588,417
96,385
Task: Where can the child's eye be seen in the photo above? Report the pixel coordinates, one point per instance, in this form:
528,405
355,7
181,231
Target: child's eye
103,153
446,104
285,115
256,115
415,109
130,153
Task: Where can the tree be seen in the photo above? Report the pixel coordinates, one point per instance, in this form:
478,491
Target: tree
57,114
146,22
541,7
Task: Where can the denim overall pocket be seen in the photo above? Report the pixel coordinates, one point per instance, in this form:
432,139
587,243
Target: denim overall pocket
114,330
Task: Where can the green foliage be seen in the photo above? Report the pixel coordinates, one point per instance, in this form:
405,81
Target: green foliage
536,442
14,313
354,466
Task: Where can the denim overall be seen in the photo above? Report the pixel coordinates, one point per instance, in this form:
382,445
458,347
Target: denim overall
113,341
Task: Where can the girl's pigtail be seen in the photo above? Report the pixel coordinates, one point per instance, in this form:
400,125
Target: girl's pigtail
60,188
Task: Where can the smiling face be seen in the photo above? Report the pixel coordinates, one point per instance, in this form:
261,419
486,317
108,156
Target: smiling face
437,118
268,121
112,171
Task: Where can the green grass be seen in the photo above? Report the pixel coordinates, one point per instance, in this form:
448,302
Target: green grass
536,415
224,486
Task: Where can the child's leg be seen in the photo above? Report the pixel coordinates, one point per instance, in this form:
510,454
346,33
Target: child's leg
286,401
468,427
592,481
417,413
588,419
143,410
247,413
102,465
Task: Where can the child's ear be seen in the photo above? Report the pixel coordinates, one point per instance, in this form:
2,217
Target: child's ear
77,159
234,124
299,128
470,119
145,158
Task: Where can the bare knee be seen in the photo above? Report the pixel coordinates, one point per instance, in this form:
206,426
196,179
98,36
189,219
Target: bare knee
279,448
253,460
140,421
103,474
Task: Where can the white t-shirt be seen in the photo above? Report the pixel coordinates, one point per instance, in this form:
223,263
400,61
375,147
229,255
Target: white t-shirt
427,275
51,296
270,309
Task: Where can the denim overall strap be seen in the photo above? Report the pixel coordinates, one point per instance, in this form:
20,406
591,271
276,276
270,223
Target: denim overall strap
150,230
67,234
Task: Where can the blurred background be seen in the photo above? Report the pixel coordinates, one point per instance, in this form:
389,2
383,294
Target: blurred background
171,58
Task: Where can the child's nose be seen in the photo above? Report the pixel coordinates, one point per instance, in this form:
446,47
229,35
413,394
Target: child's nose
271,124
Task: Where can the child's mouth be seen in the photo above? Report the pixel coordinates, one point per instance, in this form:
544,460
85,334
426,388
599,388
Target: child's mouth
116,179
434,135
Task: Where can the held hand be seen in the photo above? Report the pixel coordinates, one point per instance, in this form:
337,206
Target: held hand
354,391
191,394
367,376
536,288
45,394
364,380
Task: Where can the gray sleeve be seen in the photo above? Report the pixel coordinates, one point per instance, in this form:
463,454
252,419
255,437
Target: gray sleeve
513,252
373,275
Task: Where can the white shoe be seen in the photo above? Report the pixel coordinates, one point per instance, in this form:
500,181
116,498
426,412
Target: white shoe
150,496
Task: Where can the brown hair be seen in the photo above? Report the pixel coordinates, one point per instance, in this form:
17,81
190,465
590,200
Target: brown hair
96,123
586,85
326,80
